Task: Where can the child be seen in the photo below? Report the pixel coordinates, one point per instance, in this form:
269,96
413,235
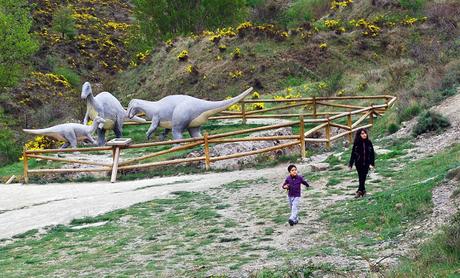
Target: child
292,184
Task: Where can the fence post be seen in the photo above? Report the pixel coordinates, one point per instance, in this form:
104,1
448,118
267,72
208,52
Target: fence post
243,111
302,137
26,167
349,122
206,151
314,107
116,157
328,134
371,115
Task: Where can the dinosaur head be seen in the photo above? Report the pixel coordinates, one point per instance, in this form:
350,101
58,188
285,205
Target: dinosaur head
99,122
133,108
86,90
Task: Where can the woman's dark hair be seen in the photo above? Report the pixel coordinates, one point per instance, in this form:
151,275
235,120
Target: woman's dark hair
358,138
290,167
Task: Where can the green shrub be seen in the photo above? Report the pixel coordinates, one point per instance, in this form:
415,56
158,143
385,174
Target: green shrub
414,5
17,43
409,112
392,128
64,23
302,11
430,121
70,75
453,234
9,149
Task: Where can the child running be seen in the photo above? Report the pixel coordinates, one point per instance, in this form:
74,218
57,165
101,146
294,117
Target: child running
292,184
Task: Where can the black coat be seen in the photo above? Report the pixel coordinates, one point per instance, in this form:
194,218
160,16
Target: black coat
362,154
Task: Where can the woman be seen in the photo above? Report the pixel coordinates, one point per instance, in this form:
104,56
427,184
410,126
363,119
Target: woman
362,155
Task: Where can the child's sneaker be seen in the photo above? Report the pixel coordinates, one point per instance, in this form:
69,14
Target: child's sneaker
358,194
296,222
291,222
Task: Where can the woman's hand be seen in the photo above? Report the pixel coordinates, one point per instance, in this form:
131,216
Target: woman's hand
285,186
372,167
349,168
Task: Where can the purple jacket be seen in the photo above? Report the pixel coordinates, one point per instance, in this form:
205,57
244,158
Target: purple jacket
294,185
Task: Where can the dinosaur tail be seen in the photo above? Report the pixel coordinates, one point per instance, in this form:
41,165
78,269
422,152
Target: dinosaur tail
218,106
42,131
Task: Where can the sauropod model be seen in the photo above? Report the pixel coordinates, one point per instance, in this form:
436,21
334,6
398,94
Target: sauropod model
180,113
70,133
106,106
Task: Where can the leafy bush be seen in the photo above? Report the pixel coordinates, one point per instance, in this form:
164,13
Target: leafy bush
409,112
453,234
64,23
392,128
164,19
17,44
70,75
430,121
9,149
302,11
414,5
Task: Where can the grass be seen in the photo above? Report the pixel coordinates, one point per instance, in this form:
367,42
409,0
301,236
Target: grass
389,212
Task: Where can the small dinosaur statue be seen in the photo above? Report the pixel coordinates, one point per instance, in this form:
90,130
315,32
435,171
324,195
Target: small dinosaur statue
106,106
70,133
180,112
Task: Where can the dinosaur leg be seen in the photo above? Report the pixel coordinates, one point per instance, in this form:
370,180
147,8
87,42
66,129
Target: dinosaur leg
71,139
65,145
153,127
91,139
117,129
100,137
165,133
195,131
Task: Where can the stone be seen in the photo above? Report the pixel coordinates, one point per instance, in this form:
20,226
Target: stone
321,166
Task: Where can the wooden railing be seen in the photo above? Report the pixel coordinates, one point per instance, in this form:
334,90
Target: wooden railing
323,120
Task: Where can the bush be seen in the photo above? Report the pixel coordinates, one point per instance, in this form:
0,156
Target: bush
9,149
17,44
393,127
414,5
410,112
64,23
303,11
70,75
453,234
430,121
164,19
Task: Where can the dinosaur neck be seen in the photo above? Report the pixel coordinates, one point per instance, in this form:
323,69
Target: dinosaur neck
90,99
93,127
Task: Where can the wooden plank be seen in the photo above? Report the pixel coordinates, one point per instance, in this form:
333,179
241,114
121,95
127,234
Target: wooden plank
277,108
102,169
339,126
314,129
262,138
151,155
340,105
302,137
69,150
163,143
328,135
236,155
67,160
26,167
115,165
161,163
207,161
250,130
315,140
363,117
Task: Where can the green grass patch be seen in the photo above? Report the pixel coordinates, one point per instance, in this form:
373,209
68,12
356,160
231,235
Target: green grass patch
380,213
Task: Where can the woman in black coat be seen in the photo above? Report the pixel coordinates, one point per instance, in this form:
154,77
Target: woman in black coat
363,156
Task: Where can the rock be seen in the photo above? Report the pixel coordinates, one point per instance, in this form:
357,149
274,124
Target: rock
454,174
399,206
317,167
239,147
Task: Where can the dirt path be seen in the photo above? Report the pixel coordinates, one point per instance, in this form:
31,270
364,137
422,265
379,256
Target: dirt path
26,207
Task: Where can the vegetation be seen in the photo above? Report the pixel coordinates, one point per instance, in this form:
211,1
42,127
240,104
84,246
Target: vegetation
64,23
430,121
17,44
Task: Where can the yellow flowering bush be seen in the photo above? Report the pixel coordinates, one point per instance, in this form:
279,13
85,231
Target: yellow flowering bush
183,55
332,23
323,45
236,53
222,47
234,107
336,4
236,74
191,69
244,26
258,106
39,143
255,95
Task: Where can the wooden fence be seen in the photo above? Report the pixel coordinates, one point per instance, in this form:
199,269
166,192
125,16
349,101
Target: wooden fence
322,119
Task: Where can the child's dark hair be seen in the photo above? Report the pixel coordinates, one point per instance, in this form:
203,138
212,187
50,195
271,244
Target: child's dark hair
290,167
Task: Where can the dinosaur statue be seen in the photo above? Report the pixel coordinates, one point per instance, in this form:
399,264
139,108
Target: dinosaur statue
180,112
106,106
70,133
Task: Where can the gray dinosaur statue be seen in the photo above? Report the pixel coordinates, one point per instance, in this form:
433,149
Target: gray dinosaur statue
180,113
106,106
70,133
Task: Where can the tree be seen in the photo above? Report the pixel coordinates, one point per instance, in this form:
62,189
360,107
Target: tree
164,19
64,23
16,43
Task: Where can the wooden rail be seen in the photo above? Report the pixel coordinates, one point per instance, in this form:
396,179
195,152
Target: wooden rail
323,120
